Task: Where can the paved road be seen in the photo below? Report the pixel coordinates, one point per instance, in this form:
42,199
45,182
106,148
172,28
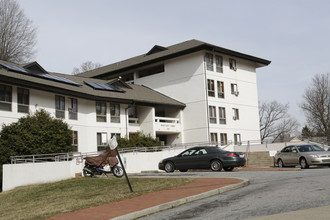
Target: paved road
269,192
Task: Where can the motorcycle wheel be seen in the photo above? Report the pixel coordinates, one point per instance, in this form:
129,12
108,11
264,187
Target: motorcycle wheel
86,173
117,171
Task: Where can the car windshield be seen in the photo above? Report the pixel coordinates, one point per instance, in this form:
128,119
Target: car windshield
309,148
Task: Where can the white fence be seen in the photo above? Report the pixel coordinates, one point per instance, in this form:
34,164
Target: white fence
15,175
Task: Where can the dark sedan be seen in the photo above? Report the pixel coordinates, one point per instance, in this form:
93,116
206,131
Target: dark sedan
204,157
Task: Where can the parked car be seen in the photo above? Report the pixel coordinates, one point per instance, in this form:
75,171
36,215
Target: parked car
203,157
303,155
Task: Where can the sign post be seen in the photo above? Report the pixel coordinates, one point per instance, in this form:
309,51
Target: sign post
113,146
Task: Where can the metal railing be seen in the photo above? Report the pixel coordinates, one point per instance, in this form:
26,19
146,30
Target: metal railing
56,157
37,158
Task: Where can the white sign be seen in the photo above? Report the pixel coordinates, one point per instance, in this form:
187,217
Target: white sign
113,143
272,153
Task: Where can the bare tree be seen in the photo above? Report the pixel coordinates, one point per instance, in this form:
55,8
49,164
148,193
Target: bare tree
85,66
275,122
316,104
17,34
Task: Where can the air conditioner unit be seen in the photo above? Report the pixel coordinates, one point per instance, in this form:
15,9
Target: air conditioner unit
234,117
70,109
236,93
234,68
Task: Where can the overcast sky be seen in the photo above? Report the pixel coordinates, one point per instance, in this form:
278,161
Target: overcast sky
293,34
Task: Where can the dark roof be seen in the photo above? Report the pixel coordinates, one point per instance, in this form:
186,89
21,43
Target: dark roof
133,94
158,53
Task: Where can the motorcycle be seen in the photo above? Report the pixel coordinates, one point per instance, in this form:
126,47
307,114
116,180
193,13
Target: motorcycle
103,164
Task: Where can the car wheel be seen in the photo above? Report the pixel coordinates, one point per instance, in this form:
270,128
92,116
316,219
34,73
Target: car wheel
228,168
216,165
280,163
183,170
169,167
303,163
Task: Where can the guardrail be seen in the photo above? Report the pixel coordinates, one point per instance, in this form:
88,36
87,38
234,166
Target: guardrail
80,156
56,157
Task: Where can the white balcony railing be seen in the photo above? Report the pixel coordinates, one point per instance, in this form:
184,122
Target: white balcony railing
166,124
133,120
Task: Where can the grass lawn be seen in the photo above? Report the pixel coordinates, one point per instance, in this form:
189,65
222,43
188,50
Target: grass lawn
45,200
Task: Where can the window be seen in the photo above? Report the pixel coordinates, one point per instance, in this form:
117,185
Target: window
222,115
115,113
75,141
221,89
151,71
213,115
232,64
115,134
23,100
132,115
214,137
210,87
209,61
235,114
101,111
73,109
223,138
218,64
234,89
102,141
5,97
237,139
60,106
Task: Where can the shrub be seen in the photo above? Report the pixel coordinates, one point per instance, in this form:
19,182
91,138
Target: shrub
138,140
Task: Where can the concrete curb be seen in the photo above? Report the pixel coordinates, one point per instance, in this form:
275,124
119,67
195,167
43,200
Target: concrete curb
182,201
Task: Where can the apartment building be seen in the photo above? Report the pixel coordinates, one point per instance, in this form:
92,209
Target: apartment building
218,87
95,109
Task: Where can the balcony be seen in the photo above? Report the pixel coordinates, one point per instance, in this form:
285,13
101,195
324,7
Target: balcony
167,125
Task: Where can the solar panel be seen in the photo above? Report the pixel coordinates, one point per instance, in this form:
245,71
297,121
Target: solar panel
59,79
40,75
103,86
15,68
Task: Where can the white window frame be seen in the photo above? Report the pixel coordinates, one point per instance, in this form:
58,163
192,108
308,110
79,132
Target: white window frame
75,141
234,89
101,111
115,113
101,140
222,115
235,114
218,64
210,88
237,139
23,100
221,89
214,137
223,139
213,114
232,64
209,61
59,106
73,109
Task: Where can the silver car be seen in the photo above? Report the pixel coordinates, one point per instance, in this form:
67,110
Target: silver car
303,155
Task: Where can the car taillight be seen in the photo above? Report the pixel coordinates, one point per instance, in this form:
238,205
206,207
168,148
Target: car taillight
232,155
